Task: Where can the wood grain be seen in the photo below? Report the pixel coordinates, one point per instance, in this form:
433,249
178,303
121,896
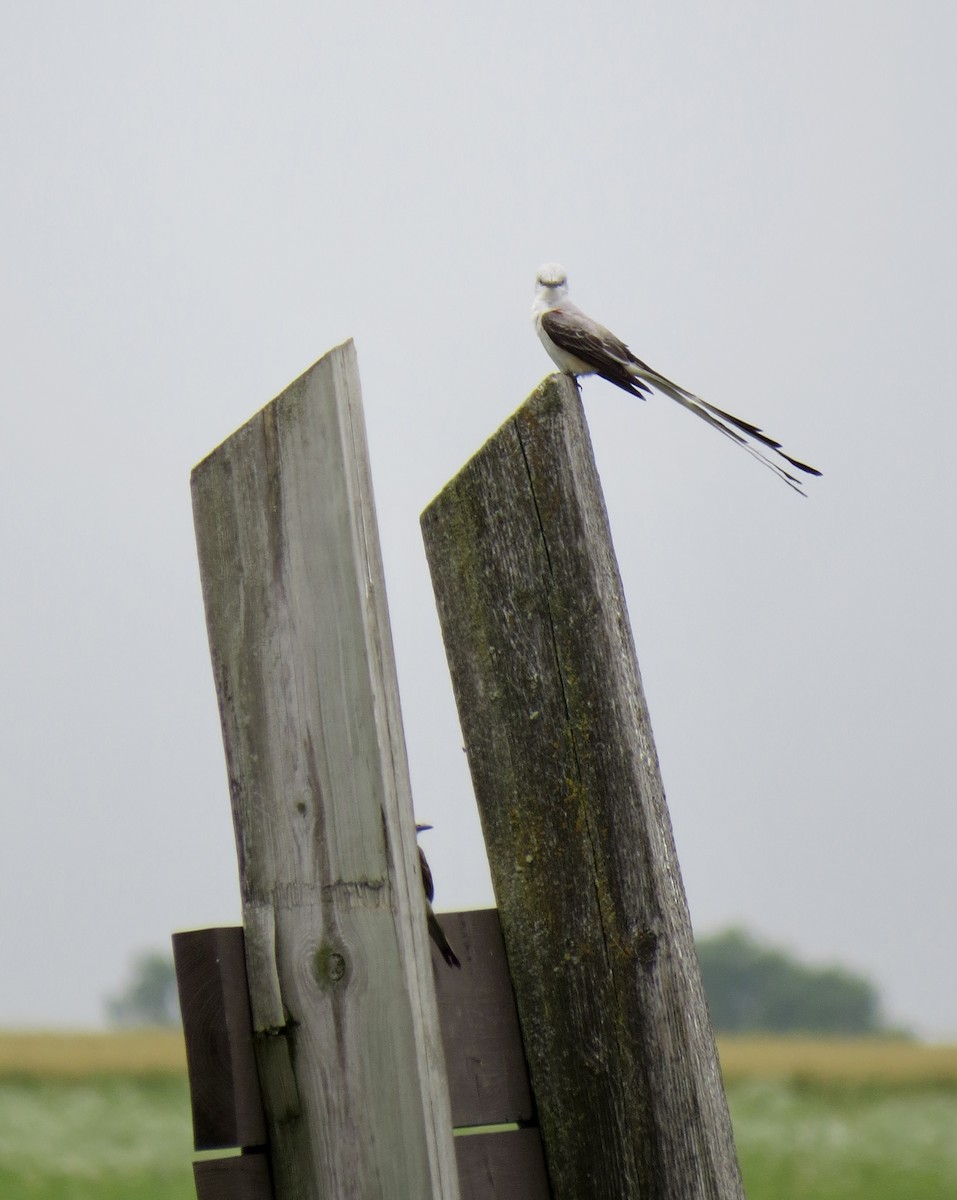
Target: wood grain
488,1076
343,1007
616,1031
214,1000
243,1177
506,1165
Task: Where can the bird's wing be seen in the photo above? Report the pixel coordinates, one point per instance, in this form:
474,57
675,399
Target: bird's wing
571,330
427,884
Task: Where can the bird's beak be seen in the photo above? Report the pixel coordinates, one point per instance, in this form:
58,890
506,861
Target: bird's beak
422,828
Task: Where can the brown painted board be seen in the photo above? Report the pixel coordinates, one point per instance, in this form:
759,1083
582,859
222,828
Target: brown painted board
488,1077
243,1177
506,1165
214,1000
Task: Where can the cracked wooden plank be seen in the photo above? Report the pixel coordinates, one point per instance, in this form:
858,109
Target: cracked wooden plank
343,1008
620,1049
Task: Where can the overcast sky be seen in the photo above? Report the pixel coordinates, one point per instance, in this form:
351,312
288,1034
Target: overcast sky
199,200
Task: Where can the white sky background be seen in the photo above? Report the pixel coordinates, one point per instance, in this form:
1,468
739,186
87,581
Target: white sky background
199,200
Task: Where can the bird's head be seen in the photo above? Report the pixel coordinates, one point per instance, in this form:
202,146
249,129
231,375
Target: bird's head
552,282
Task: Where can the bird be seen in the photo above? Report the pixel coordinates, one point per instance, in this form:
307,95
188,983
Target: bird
580,346
435,929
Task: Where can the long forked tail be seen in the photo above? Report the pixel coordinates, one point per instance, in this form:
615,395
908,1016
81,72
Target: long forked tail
741,432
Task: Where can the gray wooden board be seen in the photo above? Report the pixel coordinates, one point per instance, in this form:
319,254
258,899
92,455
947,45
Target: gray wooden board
616,1031
488,1076
344,1016
506,1165
214,1000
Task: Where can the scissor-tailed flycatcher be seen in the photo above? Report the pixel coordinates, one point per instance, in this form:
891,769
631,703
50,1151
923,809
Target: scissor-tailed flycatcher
580,346
435,929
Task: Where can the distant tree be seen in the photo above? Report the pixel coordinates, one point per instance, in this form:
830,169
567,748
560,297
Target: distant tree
755,988
150,997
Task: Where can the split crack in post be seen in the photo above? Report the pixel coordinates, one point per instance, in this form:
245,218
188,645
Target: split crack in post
561,679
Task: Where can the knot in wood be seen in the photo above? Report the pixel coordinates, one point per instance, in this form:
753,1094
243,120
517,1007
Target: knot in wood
331,966
646,946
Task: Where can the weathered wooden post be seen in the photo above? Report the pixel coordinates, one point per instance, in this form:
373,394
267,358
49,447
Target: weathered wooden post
616,1031
343,1008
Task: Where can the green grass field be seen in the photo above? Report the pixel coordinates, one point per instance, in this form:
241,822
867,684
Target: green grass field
107,1116
105,1137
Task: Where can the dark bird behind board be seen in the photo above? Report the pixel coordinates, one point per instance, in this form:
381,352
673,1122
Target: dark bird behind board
435,929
